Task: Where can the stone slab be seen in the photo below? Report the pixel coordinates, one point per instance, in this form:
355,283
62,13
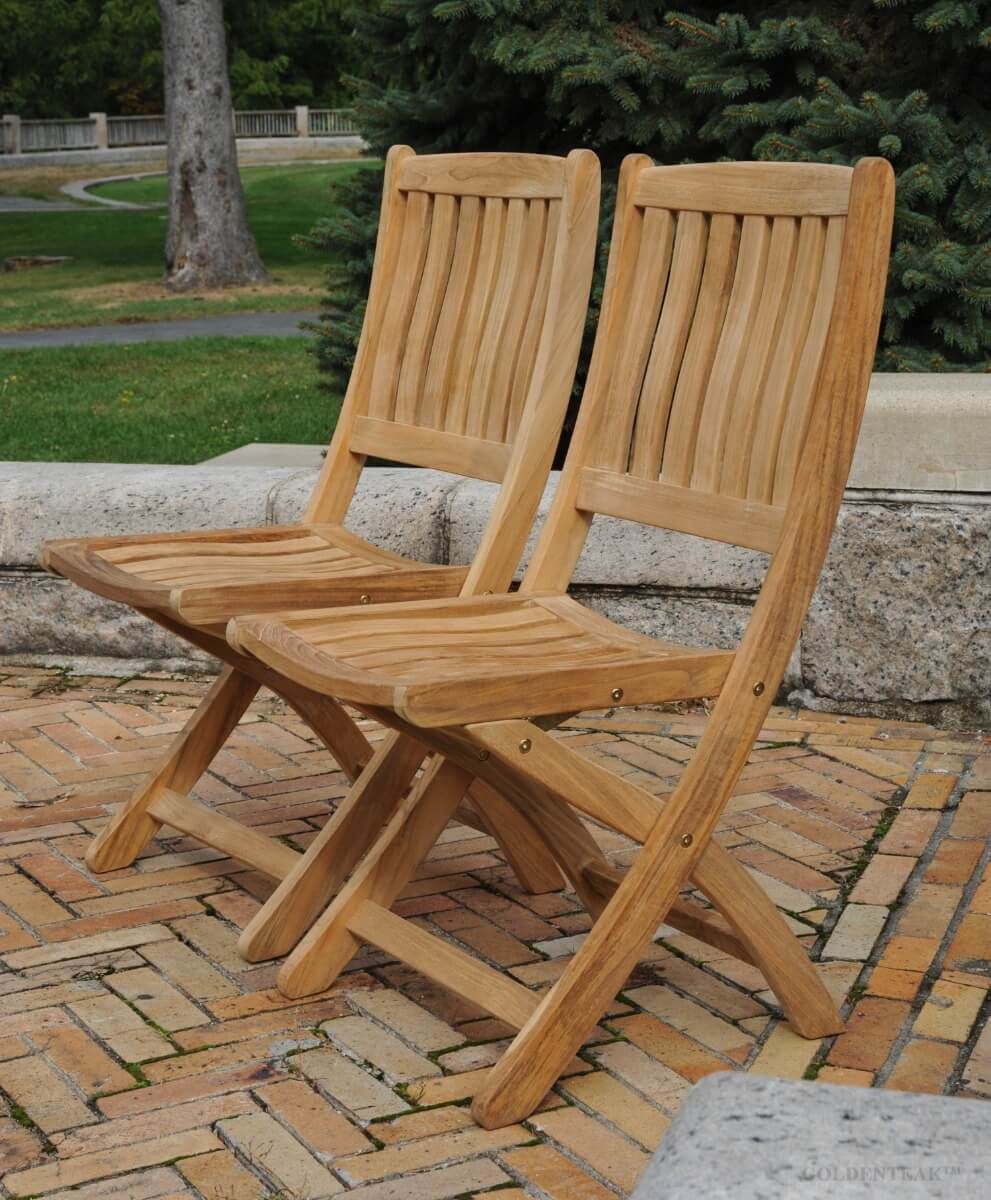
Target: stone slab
402,509
926,432
902,607
270,454
39,501
737,1137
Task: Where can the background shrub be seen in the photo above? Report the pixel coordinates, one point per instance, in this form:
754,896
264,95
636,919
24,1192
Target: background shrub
828,82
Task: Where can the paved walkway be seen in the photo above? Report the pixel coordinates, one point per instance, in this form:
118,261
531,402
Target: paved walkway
79,189
270,324
30,204
135,1044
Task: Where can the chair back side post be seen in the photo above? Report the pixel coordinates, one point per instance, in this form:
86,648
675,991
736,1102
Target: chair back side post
468,350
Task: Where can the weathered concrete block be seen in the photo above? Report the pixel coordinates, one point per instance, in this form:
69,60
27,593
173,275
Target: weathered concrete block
39,501
617,552
41,614
925,432
903,607
743,1137
399,508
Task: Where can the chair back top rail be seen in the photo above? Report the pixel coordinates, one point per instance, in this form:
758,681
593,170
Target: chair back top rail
718,320
471,333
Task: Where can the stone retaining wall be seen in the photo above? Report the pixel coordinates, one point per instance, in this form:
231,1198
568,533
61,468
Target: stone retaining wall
900,624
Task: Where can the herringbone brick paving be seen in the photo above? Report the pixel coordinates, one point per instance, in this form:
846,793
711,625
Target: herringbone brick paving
141,1058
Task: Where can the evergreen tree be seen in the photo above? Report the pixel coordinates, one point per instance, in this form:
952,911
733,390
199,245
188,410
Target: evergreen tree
906,79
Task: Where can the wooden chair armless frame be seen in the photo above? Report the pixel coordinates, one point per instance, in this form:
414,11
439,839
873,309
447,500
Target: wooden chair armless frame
724,399
466,359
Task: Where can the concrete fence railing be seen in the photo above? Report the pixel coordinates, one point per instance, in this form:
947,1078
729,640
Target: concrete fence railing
100,132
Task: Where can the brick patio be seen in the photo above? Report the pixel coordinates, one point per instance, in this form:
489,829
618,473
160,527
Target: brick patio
140,1057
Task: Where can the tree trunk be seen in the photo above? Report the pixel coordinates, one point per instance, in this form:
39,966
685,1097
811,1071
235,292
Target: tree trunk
209,242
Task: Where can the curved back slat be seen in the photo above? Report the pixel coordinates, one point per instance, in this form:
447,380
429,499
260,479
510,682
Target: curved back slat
455,333
725,326
714,332
474,254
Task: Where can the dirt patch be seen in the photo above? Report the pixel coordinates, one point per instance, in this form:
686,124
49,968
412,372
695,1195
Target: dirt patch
113,295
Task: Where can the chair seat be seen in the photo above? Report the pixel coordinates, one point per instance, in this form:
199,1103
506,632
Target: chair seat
478,658
206,578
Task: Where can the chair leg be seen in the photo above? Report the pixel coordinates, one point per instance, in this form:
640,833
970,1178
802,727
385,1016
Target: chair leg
748,911
330,857
542,1050
525,851
383,873
519,840
777,952
125,835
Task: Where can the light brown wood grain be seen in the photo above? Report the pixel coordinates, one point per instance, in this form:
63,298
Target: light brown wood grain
769,189
265,854
434,448
314,878
464,330
127,833
462,675
512,656
380,876
523,176
706,514
445,964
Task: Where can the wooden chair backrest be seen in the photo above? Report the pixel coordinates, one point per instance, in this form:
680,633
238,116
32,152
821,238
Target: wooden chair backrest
721,315
471,334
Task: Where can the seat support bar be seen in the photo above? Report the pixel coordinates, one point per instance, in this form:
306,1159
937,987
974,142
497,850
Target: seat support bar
444,964
265,854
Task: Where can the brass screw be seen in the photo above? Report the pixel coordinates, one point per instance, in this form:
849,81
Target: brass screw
759,687
617,694
525,746
365,598
686,839
483,755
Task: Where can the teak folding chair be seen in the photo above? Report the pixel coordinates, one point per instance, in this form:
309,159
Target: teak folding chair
467,356
727,385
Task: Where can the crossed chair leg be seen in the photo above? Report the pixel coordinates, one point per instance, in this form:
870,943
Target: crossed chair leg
627,906
384,775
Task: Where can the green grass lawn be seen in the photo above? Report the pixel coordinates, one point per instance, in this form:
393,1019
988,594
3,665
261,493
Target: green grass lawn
178,402
116,271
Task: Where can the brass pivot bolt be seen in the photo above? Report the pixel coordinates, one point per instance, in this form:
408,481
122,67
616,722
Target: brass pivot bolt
617,694
525,746
365,598
759,687
483,755
686,839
